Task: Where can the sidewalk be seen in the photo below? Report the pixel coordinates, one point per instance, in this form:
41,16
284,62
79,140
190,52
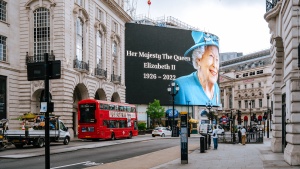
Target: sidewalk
228,156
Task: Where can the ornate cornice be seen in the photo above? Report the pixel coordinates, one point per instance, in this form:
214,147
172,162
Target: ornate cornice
119,11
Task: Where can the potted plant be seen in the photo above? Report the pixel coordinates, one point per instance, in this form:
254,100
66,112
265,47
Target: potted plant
142,128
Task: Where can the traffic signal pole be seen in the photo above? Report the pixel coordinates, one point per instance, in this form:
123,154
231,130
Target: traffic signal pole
46,94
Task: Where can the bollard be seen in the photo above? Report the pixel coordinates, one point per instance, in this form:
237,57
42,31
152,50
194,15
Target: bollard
205,141
202,150
209,140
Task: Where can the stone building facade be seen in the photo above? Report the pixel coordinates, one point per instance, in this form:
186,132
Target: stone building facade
283,20
245,82
87,36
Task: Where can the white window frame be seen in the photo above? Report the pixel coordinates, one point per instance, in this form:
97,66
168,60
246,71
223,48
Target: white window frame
41,30
79,39
3,10
99,49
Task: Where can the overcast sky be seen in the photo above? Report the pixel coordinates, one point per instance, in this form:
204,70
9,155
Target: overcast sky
239,24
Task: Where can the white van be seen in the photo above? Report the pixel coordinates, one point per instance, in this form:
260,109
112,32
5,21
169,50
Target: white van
208,128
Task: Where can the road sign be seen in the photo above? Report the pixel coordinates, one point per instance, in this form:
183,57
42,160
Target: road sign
36,71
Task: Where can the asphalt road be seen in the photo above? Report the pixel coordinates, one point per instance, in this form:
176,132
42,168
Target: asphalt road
90,157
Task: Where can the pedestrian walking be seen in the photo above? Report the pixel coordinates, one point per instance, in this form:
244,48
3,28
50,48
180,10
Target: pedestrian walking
240,135
243,132
215,137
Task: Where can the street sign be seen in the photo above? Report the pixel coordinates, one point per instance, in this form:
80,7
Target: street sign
36,71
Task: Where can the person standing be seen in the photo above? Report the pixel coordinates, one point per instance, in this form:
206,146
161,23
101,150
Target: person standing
215,137
240,135
243,132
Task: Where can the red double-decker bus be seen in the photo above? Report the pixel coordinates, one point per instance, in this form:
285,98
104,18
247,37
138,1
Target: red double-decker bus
98,119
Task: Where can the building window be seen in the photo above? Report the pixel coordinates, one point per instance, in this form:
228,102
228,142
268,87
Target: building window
2,48
114,27
260,103
3,97
236,76
252,85
230,101
100,15
99,49
41,33
246,104
245,86
240,104
2,10
259,84
260,72
252,103
79,39
239,87
79,2
114,49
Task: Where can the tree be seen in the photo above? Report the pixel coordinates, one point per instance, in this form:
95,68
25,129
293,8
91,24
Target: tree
155,111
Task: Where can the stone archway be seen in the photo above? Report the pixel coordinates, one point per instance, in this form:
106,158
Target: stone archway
100,95
37,98
80,92
115,98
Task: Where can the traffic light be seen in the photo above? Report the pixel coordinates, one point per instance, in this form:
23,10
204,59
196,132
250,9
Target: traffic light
265,116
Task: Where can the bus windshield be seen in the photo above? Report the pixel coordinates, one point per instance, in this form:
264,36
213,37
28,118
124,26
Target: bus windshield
87,113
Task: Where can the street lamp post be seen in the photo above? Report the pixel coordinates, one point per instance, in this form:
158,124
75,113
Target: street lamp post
173,90
250,115
209,106
268,97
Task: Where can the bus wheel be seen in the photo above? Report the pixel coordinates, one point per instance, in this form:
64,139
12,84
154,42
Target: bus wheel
130,135
113,136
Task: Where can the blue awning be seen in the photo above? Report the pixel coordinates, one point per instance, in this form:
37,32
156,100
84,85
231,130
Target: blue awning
169,113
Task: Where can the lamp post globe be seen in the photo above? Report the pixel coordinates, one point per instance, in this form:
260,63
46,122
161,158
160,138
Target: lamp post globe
173,90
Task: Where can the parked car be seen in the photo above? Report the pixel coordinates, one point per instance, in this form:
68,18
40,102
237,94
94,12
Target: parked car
161,131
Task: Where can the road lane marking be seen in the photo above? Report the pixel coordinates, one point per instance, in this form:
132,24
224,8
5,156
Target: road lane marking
86,163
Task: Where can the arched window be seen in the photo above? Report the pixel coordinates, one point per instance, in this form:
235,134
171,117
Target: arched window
114,49
79,39
99,49
41,33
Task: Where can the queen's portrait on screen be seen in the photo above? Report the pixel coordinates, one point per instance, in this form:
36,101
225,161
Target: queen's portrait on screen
201,87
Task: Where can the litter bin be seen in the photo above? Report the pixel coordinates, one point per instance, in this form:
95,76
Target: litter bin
202,149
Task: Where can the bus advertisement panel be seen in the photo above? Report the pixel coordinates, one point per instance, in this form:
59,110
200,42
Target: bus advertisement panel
98,119
155,56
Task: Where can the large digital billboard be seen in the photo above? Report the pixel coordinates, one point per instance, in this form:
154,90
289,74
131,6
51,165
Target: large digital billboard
155,56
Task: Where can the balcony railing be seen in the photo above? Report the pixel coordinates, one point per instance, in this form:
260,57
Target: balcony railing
100,73
39,58
116,79
270,4
81,66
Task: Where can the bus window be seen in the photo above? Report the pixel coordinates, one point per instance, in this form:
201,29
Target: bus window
112,124
111,107
121,108
132,109
87,113
123,124
117,124
128,109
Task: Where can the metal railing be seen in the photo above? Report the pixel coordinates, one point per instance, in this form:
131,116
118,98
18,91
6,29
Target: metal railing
81,65
39,58
116,79
100,72
251,137
270,4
